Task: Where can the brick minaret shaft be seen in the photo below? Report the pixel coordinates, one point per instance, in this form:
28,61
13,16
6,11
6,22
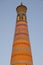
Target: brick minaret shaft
21,49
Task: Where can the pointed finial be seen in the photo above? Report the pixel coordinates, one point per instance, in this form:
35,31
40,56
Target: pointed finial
21,3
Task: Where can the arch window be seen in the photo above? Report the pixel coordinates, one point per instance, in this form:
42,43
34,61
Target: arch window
21,17
24,18
18,17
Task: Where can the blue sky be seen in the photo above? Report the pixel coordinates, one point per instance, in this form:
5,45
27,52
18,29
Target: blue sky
7,28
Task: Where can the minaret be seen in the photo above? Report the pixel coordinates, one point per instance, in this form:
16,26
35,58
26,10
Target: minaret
21,49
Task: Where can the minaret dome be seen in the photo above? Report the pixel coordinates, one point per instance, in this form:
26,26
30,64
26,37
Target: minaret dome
21,8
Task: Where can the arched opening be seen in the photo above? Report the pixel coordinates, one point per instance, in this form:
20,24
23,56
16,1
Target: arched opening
24,18
18,17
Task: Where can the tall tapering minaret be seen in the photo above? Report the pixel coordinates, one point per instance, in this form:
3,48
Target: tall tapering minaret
21,49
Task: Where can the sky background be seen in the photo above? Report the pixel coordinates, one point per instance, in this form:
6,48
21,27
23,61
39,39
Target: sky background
7,28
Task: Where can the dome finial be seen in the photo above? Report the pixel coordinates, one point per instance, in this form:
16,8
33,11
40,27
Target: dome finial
21,2
21,7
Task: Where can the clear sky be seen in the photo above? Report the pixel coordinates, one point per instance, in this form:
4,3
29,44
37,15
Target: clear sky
7,28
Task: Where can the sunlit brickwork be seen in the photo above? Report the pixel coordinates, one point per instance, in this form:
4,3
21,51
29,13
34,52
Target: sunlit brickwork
21,49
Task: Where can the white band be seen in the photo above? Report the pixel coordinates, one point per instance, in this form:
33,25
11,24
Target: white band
22,61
